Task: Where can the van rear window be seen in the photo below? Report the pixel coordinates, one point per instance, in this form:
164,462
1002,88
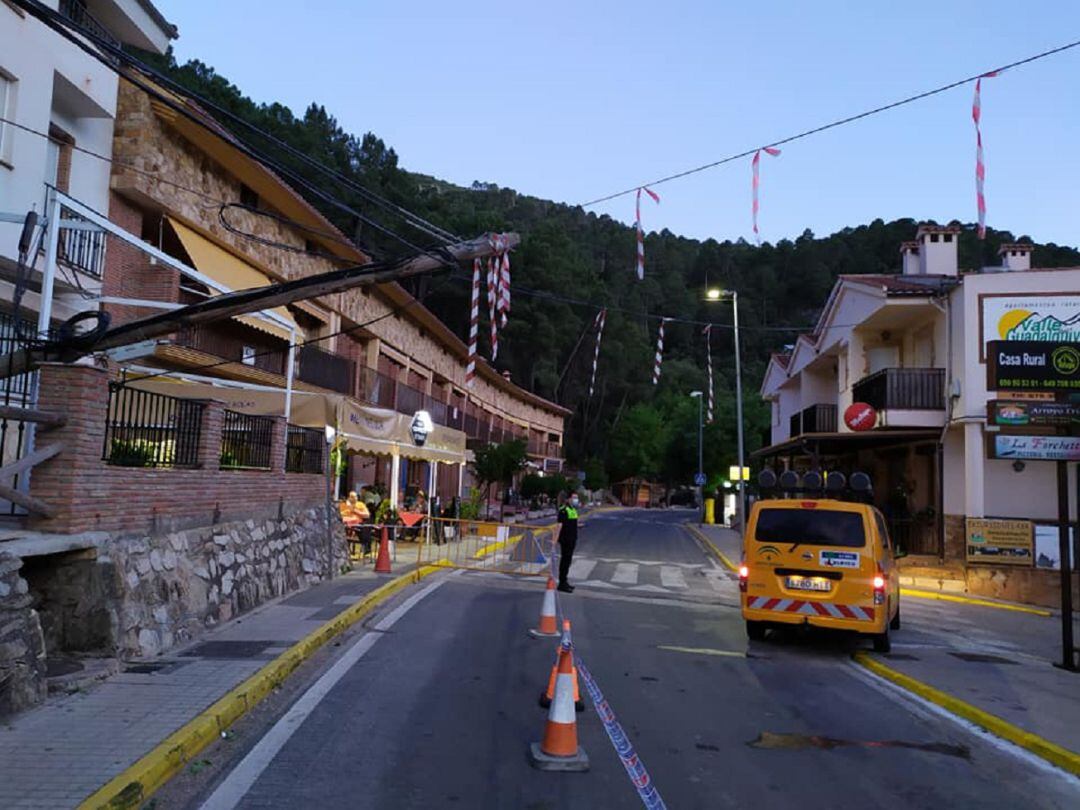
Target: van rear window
810,527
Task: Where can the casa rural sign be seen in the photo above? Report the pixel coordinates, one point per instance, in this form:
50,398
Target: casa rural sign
1031,365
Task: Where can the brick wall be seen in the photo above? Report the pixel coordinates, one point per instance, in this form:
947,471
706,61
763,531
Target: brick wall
89,494
128,271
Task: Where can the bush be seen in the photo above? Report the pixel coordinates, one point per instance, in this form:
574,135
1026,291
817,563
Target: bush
533,485
130,453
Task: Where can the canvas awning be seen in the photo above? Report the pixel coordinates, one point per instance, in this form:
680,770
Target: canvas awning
231,272
364,428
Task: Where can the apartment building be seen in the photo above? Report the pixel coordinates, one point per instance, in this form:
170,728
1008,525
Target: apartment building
912,347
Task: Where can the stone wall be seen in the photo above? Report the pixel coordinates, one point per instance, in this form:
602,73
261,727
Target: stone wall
955,538
22,646
172,587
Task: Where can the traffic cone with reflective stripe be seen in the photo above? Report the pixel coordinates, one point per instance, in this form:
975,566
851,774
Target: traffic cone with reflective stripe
549,694
547,628
559,750
382,562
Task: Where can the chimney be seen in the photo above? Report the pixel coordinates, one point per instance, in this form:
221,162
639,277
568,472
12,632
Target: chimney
909,258
937,249
1016,256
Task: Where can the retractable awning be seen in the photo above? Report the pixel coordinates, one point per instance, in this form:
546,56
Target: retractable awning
232,273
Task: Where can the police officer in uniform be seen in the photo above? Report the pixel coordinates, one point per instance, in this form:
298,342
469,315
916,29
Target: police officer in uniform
568,528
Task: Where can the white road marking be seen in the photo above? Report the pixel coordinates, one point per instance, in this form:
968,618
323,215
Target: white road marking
926,710
581,568
649,588
625,574
672,577
237,784
595,583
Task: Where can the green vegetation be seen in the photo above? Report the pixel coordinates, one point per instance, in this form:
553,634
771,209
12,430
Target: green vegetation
634,428
498,463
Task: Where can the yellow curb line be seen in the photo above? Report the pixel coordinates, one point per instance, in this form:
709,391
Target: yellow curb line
700,535
135,784
1061,757
948,597
491,548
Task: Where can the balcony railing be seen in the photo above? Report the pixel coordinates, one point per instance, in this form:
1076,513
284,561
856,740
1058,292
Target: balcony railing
75,10
326,370
915,389
815,419
82,250
211,341
545,449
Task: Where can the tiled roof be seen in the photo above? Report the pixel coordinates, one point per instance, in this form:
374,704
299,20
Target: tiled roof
902,285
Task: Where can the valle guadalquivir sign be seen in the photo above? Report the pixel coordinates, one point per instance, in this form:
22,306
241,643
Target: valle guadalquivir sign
860,416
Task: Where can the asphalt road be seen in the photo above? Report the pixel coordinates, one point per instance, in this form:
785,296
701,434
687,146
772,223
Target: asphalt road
441,706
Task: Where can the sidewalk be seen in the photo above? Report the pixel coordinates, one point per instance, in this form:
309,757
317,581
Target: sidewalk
58,754
1002,664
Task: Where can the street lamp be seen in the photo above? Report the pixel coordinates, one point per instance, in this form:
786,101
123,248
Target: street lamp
699,478
715,294
331,432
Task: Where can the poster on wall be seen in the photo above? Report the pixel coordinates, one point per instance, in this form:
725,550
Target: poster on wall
1030,316
1001,542
1048,547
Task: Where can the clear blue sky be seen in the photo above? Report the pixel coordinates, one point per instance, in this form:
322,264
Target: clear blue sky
574,100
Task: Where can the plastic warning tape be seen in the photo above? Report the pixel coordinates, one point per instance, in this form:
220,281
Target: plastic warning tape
807,607
635,768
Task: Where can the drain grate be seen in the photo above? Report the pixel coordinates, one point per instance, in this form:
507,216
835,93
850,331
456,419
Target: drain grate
981,658
229,649
147,669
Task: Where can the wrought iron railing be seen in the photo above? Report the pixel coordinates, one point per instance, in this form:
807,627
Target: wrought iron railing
16,391
326,370
815,419
75,10
245,441
916,389
144,429
209,339
304,450
82,250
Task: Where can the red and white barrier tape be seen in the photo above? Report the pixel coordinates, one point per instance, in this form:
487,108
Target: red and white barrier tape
474,324
708,364
755,169
640,232
601,316
980,165
659,359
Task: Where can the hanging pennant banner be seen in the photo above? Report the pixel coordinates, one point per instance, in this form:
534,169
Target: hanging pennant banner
601,316
980,165
640,232
474,324
755,170
708,364
659,353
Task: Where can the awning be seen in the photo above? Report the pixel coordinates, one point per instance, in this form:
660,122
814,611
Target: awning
231,272
377,430
307,410
837,443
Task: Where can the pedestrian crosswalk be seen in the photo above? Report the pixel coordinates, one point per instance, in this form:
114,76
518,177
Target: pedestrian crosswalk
651,576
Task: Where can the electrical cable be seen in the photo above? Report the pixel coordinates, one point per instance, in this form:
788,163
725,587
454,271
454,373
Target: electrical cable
833,124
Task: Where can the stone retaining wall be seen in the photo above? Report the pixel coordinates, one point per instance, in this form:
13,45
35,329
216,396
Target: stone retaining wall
22,646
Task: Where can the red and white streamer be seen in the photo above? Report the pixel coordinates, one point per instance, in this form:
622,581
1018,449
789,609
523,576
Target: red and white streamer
708,361
640,232
980,165
601,316
474,324
755,166
493,303
659,359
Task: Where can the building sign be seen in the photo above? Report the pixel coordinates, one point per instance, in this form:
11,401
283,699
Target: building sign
1035,448
1031,365
860,416
1038,414
1055,318
1002,542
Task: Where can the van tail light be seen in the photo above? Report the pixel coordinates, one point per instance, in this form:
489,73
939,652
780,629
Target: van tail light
744,575
879,587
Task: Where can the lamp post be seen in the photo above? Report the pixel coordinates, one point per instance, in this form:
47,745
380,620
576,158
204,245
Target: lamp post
700,453
331,432
715,294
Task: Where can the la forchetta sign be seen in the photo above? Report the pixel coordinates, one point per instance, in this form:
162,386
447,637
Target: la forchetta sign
1035,448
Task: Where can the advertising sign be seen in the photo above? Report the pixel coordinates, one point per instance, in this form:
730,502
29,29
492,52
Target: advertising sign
1053,317
1037,414
860,416
1002,542
1035,448
1030,365
1048,547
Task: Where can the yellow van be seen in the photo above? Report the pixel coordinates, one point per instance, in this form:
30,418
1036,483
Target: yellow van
819,561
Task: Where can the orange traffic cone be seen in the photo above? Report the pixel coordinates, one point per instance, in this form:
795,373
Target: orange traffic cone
382,562
549,694
559,750
547,628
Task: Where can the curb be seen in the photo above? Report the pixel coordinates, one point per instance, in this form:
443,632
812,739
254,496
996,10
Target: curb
138,781
1055,754
700,535
970,600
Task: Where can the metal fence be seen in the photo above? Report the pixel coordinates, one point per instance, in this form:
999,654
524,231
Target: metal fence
245,441
304,450
144,429
15,392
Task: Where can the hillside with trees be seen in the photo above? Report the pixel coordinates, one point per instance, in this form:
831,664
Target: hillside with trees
570,255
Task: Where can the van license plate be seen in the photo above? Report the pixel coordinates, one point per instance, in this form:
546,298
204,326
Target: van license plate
808,583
